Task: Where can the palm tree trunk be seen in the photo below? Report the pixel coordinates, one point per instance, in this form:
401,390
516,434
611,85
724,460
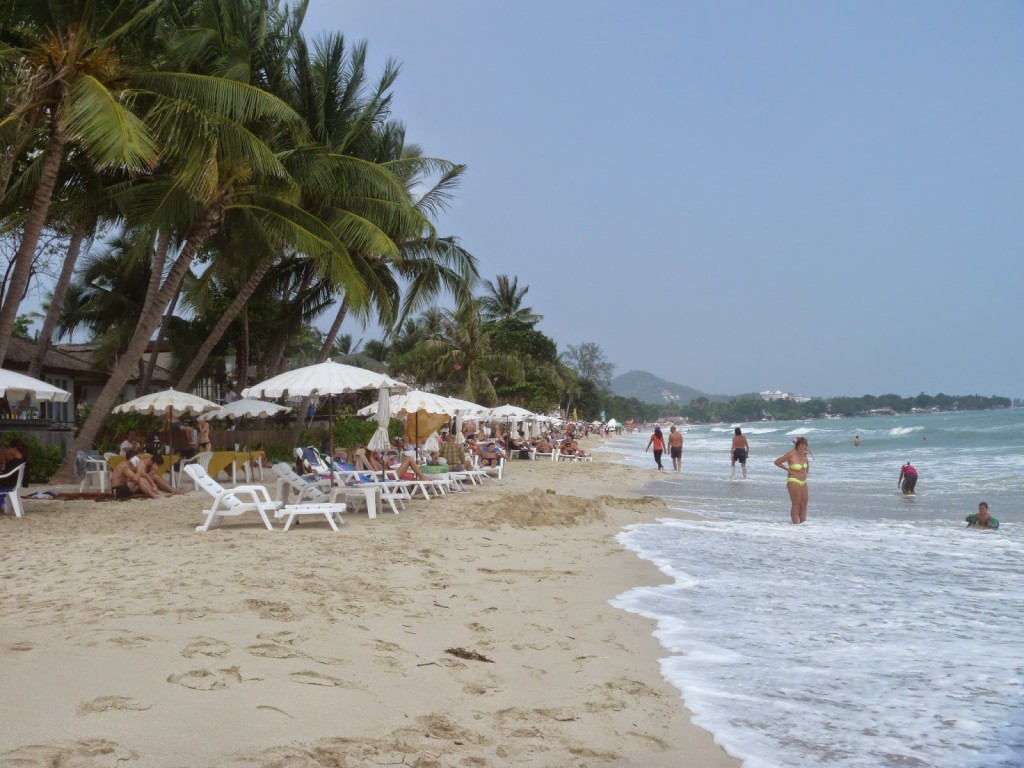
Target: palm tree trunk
233,311
277,355
50,167
57,300
242,375
165,322
26,126
160,258
152,311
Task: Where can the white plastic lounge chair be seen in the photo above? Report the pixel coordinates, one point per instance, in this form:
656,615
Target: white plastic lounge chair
491,473
291,482
13,481
233,501
230,501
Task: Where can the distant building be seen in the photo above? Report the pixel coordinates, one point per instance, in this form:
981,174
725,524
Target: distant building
780,395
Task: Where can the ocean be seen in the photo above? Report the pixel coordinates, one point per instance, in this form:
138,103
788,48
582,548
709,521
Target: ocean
881,632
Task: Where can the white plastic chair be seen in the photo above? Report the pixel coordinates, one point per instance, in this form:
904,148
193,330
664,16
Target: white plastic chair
200,460
96,469
13,481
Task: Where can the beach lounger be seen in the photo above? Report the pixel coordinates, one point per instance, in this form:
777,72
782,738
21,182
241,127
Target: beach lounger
233,501
306,489
491,473
255,498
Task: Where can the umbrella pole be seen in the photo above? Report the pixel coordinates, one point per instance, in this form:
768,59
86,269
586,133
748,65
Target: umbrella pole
330,437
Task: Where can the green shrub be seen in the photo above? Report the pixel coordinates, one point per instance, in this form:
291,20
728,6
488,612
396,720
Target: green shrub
43,460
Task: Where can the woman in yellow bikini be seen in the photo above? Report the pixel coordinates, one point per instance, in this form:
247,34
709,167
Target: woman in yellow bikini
796,467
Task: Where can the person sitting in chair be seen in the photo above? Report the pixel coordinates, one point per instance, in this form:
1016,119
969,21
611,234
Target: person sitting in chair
490,454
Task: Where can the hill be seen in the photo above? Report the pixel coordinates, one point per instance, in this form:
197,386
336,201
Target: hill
648,388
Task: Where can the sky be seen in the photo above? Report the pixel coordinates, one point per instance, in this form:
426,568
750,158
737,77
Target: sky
821,198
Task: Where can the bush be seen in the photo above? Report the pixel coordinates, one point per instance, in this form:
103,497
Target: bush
43,460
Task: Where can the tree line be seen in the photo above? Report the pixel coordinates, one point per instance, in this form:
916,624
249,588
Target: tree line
202,175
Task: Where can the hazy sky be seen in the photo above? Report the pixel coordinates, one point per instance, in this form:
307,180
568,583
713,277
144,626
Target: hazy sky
824,198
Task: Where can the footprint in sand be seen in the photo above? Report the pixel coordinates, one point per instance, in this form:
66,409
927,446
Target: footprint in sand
107,703
205,680
309,677
272,651
87,753
284,637
119,638
206,646
268,609
23,646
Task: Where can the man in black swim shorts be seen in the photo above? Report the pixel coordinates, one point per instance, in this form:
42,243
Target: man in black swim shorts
740,450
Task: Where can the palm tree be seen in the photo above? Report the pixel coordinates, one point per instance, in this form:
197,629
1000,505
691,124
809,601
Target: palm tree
223,164
504,301
459,360
69,60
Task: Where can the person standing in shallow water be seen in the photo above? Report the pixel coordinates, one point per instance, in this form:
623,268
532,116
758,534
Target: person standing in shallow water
658,441
908,479
795,464
675,449
740,451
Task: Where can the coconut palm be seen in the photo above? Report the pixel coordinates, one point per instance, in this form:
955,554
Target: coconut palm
69,64
503,300
223,164
459,360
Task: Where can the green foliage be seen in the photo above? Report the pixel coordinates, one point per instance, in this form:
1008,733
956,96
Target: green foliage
21,326
43,460
118,425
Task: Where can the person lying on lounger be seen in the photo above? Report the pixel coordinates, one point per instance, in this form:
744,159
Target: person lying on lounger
490,454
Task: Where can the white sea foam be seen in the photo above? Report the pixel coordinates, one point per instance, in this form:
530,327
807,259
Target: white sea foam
897,431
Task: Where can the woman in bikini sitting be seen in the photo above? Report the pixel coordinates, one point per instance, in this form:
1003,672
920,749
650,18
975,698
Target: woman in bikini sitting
796,467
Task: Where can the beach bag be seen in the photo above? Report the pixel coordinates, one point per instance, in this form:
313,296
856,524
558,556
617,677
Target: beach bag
524,454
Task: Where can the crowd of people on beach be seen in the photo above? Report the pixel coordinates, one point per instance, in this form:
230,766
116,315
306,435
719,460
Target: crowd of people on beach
796,464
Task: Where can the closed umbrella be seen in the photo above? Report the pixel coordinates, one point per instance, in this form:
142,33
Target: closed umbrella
380,440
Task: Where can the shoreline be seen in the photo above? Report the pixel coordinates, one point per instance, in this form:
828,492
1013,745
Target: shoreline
129,636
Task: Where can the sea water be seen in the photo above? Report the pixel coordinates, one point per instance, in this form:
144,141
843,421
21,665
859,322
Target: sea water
881,632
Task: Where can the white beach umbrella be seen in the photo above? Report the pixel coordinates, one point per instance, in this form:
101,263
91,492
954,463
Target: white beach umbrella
324,379
247,407
509,411
17,386
169,401
380,440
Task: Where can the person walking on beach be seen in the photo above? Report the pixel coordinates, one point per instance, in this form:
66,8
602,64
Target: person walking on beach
795,464
908,479
983,519
740,451
675,448
658,441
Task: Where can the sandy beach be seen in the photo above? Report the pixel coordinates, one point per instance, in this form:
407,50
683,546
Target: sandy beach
130,639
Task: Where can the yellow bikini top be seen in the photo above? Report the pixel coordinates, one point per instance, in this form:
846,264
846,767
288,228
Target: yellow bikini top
798,467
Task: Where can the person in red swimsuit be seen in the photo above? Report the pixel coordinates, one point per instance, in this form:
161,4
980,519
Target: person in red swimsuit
658,441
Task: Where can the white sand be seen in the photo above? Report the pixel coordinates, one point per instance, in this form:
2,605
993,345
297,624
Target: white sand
130,639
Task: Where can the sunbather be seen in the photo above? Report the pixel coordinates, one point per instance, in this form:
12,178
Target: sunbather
365,461
490,454
408,467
